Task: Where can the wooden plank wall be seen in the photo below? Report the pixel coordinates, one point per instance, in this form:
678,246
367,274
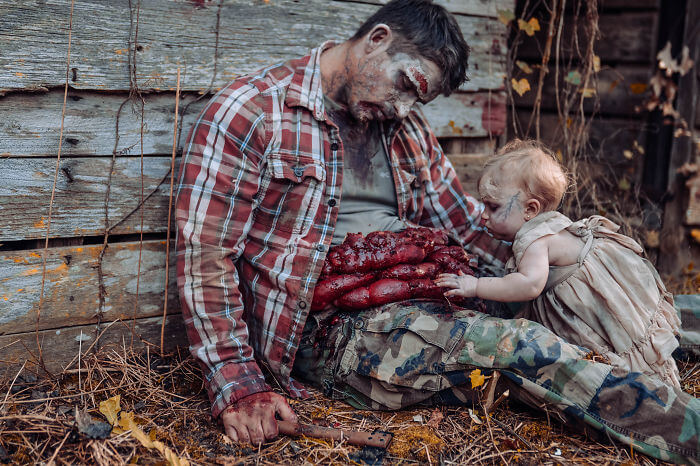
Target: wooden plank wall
626,48
114,171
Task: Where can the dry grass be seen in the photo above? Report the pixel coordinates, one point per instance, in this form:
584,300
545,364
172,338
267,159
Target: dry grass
38,424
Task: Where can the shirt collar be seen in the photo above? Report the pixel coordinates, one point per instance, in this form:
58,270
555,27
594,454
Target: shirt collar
306,88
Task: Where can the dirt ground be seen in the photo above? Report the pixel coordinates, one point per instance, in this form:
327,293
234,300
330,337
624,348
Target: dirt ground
161,416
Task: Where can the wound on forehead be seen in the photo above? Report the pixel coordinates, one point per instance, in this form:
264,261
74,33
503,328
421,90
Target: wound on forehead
416,75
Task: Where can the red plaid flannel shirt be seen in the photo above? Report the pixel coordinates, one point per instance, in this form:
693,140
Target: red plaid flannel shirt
260,184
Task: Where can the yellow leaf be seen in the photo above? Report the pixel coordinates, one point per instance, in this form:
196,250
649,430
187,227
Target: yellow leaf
596,63
628,154
587,92
637,147
695,233
624,184
110,408
652,239
560,155
529,27
638,88
523,66
521,87
477,378
505,16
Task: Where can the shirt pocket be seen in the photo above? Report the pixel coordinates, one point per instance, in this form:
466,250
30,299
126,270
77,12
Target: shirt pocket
290,193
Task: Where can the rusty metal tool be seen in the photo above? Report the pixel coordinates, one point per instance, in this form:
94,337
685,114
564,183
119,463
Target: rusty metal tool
353,437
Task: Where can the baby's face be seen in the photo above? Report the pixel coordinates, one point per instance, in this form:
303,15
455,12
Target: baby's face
504,206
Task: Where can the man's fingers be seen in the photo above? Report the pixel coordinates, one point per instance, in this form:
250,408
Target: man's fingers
255,432
232,434
285,411
269,427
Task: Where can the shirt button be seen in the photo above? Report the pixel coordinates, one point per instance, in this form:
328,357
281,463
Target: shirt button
298,171
301,304
321,247
332,203
359,323
334,146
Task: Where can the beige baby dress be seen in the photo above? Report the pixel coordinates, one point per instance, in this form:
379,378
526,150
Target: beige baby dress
612,301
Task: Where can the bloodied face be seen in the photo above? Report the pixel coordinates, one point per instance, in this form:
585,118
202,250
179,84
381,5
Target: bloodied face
505,206
385,87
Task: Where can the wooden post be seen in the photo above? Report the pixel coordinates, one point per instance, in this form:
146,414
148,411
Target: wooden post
674,247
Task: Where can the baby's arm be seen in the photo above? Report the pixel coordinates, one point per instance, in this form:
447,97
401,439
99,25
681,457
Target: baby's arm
524,285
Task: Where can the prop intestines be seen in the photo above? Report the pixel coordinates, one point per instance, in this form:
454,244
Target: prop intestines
385,267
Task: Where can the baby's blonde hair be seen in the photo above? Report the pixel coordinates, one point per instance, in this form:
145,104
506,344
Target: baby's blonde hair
535,167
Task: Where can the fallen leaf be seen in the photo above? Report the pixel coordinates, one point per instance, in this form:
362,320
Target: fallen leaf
506,16
523,66
560,155
638,88
90,427
474,417
529,27
686,62
666,61
477,378
435,418
652,239
110,408
521,87
574,77
695,234
624,184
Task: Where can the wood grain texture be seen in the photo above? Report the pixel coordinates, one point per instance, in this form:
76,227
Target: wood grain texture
79,203
59,346
71,287
619,88
468,7
90,123
625,37
173,33
608,137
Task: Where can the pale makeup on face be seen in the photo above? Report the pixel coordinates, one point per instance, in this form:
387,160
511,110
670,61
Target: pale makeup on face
504,207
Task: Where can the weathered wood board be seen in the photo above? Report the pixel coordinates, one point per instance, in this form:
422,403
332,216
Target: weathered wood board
71,289
608,137
625,37
468,7
90,122
619,88
79,202
60,346
173,34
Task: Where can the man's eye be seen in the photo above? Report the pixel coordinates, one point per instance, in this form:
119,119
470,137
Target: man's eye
406,83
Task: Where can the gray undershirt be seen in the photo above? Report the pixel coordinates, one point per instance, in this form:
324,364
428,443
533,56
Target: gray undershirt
368,201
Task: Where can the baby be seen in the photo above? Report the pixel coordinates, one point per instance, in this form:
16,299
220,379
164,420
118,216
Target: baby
583,280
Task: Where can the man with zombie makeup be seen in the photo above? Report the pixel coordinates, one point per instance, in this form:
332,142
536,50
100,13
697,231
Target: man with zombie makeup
280,165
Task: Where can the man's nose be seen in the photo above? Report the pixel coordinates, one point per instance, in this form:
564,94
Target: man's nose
403,106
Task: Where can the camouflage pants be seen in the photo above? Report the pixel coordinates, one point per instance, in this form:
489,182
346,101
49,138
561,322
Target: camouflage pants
407,353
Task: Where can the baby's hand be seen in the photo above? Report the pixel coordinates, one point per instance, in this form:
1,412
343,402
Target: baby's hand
461,285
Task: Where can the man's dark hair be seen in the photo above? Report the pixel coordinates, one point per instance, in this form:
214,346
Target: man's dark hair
427,29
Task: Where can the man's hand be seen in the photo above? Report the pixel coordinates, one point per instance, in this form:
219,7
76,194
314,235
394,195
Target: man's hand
460,285
252,419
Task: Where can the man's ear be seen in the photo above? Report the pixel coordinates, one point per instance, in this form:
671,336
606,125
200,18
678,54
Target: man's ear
532,208
378,39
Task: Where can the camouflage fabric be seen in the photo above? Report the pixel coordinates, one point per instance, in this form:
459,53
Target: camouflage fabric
407,353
